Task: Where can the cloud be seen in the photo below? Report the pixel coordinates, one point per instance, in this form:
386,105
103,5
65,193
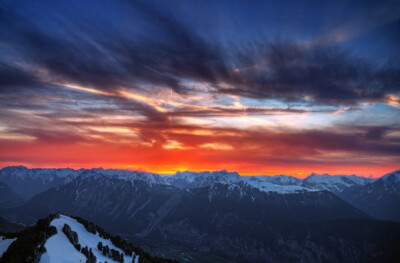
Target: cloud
370,16
12,79
217,146
172,144
392,100
115,79
96,55
318,74
375,133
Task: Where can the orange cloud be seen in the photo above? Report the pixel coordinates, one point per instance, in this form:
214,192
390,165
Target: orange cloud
217,146
248,152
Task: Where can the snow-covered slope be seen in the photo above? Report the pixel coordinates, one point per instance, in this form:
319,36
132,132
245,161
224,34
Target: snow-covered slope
334,183
126,175
276,179
5,243
60,249
278,185
202,179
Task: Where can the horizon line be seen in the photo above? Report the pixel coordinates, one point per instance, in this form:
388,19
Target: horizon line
195,171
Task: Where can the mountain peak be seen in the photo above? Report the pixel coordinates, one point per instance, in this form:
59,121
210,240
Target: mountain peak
392,177
334,183
202,179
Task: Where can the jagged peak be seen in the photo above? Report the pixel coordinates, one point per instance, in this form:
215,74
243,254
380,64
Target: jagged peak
125,175
393,177
336,177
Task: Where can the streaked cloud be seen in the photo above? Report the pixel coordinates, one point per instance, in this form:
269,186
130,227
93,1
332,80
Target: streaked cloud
139,84
217,146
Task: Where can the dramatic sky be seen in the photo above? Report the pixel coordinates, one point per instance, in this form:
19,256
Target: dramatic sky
268,87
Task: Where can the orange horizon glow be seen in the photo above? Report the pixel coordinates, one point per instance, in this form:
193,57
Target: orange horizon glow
170,161
363,171
171,132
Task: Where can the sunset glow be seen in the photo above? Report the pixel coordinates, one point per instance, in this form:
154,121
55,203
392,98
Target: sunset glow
131,87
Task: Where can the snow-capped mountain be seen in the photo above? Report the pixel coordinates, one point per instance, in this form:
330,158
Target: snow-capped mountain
28,182
195,216
126,175
202,179
279,183
334,183
276,179
392,178
232,216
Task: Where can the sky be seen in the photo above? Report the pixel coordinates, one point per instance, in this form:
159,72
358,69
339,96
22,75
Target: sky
258,87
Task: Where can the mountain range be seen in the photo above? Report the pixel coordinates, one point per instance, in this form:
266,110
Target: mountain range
222,215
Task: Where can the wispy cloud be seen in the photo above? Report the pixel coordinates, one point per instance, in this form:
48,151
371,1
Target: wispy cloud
107,81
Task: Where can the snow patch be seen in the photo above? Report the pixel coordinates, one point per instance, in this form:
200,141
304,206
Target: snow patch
4,244
60,250
276,188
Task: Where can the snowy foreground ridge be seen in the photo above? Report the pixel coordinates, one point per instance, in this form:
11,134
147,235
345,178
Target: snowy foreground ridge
60,250
5,243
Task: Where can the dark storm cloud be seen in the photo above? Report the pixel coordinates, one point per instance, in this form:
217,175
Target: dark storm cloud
77,44
318,73
13,78
107,59
375,133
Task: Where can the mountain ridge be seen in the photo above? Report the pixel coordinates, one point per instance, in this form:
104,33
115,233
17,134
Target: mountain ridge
44,178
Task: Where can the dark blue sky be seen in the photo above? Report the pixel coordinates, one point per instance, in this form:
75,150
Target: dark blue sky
167,76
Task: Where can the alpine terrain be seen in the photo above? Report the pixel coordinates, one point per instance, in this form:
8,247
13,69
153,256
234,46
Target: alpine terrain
222,216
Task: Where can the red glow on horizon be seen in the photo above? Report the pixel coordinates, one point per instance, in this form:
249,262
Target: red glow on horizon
167,161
